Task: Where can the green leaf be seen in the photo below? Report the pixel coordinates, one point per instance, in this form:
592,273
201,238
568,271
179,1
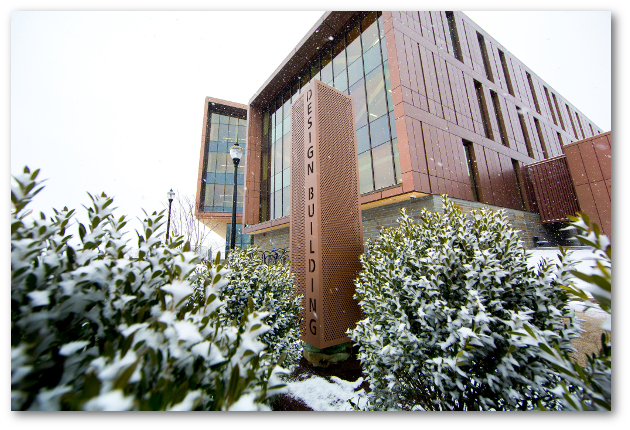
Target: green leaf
123,379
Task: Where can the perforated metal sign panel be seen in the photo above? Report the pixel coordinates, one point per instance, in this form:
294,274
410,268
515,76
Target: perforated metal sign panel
326,232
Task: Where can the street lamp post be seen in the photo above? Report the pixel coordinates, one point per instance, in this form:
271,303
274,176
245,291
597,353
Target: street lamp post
170,196
236,152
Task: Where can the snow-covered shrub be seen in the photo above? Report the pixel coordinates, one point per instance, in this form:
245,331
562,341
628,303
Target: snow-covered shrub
270,288
588,388
95,329
443,299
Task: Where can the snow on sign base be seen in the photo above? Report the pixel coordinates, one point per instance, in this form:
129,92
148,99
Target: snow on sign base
326,233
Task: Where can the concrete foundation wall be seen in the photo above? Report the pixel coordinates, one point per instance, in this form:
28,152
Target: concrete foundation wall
374,219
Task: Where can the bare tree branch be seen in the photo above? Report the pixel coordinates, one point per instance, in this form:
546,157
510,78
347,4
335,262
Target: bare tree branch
184,223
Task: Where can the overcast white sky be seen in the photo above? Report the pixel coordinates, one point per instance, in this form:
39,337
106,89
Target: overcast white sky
113,101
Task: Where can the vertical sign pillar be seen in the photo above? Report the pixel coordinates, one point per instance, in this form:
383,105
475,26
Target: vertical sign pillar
326,233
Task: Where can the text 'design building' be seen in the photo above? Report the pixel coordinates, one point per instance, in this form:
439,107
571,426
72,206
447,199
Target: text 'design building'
326,231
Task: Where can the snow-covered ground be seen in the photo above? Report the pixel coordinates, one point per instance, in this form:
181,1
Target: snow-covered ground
321,395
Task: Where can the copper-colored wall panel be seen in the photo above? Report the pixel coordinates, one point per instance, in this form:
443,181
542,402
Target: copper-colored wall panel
603,204
554,190
603,152
587,202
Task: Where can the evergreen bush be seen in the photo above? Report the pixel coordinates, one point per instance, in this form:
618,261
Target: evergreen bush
444,299
270,289
95,329
586,388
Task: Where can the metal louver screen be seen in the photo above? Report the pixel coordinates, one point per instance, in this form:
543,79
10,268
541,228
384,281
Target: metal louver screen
326,232
296,229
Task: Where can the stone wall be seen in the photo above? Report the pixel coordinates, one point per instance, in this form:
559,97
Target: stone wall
374,219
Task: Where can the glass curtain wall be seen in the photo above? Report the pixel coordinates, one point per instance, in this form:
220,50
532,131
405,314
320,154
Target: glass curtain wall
241,240
224,131
354,62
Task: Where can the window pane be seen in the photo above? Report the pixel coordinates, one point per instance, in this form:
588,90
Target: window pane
212,146
232,132
315,68
357,91
242,122
272,206
286,151
339,60
384,50
212,162
326,74
286,125
383,168
388,87
365,173
233,121
239,198
286,177
210,179
397,161
370,31
341,82
224,119
219,178
277,181
227,200
375,86
223,132
379,130
209,195
214,118
353,43
222,147
214,132
286,201
355,72
218,197
242,135
392,125
229,178
278,204
278,155
371,59
363,139
221,162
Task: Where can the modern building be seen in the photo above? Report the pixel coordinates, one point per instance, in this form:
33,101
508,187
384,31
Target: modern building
224,125
440,106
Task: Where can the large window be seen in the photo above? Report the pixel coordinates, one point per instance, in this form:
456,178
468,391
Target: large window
241,240
354,62
224,131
